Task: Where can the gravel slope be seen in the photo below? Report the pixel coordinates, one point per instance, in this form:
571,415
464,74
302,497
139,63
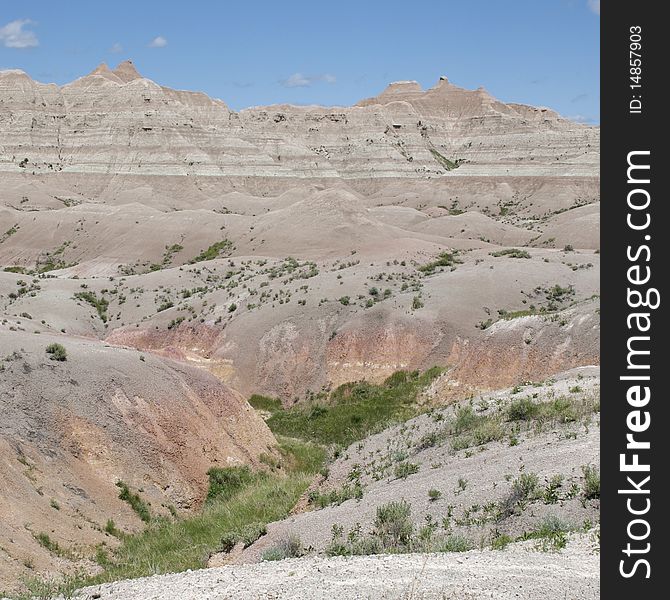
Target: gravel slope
518,572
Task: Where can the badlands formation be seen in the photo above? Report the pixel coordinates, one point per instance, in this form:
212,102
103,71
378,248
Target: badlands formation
187,256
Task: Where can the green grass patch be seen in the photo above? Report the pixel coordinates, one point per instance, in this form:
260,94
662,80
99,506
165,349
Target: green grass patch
175,546
265,403
100,304
225,482
52,546
449,165
511,253
135,502
353,410
563,409
445,259
214,251
299,456
552,534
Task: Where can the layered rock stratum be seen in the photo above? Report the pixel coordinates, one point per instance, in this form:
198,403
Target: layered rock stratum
187,255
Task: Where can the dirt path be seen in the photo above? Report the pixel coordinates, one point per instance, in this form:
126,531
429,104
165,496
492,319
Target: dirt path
516,573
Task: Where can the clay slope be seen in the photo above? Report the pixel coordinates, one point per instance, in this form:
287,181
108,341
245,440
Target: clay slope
72,429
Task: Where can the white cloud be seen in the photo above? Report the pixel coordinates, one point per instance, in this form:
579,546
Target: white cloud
116,48
158,42
297,80
13,35
594,5
300,80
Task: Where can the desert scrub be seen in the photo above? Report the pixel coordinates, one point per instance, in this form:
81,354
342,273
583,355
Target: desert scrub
448,164
445,259
511,253
525,489
214,251
551,535
138,505
404,469
336,497
353,410
472,429
563,409
394,532
100,304
56,352
291,547
591,484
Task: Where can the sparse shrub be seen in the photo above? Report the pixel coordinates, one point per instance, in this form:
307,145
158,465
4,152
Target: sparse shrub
434,495
100,304
214,251
405,469
501,541
524,489
445,259
522,409
511,253
165,306
111,529
140,507
288,548
57,352
455,543
551,492
393,524
591,485
551,534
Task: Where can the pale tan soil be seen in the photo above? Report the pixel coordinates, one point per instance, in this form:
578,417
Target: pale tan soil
518,572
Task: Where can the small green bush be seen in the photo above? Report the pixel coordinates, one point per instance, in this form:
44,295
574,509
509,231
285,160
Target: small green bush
511,253
591,486
404,469
57,352
140,507
434,495
288,548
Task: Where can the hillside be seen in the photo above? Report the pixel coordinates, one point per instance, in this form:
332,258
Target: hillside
186,256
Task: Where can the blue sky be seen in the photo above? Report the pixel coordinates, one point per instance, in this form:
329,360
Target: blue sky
541,52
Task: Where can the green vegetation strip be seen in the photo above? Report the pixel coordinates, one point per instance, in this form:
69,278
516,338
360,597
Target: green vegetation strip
352,411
